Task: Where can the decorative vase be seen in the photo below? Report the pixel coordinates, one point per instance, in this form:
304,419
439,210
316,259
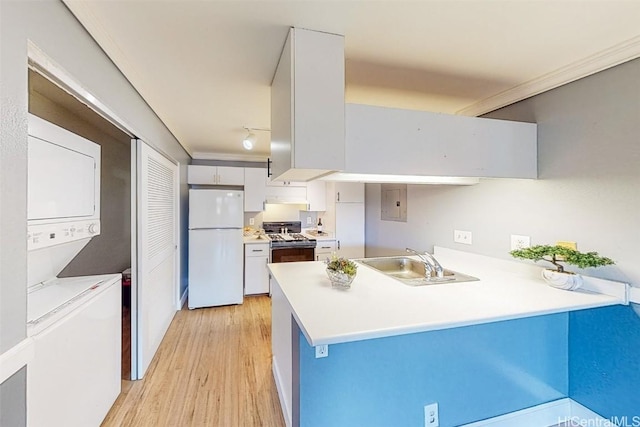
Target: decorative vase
339,279
566,281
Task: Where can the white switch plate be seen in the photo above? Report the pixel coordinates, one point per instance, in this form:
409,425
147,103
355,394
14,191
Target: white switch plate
431,418
520,242
309,220
464,237
322,351
252,221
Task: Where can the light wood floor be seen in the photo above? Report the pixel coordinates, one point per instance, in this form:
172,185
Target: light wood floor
213,368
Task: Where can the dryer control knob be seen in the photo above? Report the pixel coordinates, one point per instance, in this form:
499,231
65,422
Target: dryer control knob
92,229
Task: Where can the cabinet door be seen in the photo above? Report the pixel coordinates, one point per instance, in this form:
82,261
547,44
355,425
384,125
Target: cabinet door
199,174
256,275
349,192
350,230
317,196
230,176
255,191
215,175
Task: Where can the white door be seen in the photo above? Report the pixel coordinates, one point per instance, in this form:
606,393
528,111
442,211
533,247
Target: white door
350,230
153,296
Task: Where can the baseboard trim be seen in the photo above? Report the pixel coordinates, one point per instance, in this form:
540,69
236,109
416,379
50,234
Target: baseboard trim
545,415
280,387
183,298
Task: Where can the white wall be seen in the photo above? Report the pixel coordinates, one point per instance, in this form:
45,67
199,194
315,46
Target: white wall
588,190
51,27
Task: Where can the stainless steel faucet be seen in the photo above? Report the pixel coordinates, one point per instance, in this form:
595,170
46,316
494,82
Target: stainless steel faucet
430,264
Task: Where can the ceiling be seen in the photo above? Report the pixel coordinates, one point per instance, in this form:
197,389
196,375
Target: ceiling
205,67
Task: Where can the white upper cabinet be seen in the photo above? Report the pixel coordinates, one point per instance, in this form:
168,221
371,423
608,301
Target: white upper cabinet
349,192
215,175
307,107
392,141
255,189
317,195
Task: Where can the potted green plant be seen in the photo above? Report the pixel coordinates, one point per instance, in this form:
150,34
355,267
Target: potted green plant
559,255
341,271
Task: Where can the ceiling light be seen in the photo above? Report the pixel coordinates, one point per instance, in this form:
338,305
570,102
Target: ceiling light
249,141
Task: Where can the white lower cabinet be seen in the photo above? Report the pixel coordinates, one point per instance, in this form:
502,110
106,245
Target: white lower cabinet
324,249
256,273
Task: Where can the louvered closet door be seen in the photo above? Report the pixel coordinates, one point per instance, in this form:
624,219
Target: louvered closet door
156,248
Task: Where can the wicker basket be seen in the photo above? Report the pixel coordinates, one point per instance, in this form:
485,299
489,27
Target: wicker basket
340,280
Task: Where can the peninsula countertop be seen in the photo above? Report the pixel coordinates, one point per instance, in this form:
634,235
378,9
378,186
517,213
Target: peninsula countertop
380,306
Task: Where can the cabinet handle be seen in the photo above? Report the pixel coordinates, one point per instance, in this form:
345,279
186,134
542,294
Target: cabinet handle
325,247
338,244
338,196
257,250
269,167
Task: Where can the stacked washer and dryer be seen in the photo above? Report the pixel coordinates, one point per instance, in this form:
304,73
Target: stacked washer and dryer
75,322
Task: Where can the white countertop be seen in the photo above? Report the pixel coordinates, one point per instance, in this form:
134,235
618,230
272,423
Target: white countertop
379,306
251,240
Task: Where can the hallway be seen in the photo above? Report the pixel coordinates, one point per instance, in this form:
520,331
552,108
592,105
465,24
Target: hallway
213,368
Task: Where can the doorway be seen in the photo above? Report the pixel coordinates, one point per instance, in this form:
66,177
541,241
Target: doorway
109,252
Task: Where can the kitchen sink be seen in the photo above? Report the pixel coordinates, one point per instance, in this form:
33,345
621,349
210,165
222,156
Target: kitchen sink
412,272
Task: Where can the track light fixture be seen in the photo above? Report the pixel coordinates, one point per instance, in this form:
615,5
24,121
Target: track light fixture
250,140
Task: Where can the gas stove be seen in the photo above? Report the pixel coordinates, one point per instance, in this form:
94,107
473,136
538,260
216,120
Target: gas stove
287,235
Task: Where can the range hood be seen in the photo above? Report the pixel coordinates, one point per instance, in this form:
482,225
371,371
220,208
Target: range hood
286,201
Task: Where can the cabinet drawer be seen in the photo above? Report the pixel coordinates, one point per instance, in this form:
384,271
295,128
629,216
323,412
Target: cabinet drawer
261,249
326,246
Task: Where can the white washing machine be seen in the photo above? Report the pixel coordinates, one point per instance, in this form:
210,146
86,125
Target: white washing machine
75,323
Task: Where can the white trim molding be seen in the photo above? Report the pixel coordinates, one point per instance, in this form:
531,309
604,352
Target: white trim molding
230,157
615,55
14,359
557,413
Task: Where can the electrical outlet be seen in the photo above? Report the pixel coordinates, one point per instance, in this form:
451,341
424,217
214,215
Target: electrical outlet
520,242
322,351
309,222
252,221
464,237
431,418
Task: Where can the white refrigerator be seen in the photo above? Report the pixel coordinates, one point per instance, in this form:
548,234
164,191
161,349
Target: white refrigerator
215,247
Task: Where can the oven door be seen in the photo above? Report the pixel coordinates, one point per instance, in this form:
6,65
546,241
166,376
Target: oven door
292,254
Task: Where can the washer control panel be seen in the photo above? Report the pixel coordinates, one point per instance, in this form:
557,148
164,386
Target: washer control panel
45,235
